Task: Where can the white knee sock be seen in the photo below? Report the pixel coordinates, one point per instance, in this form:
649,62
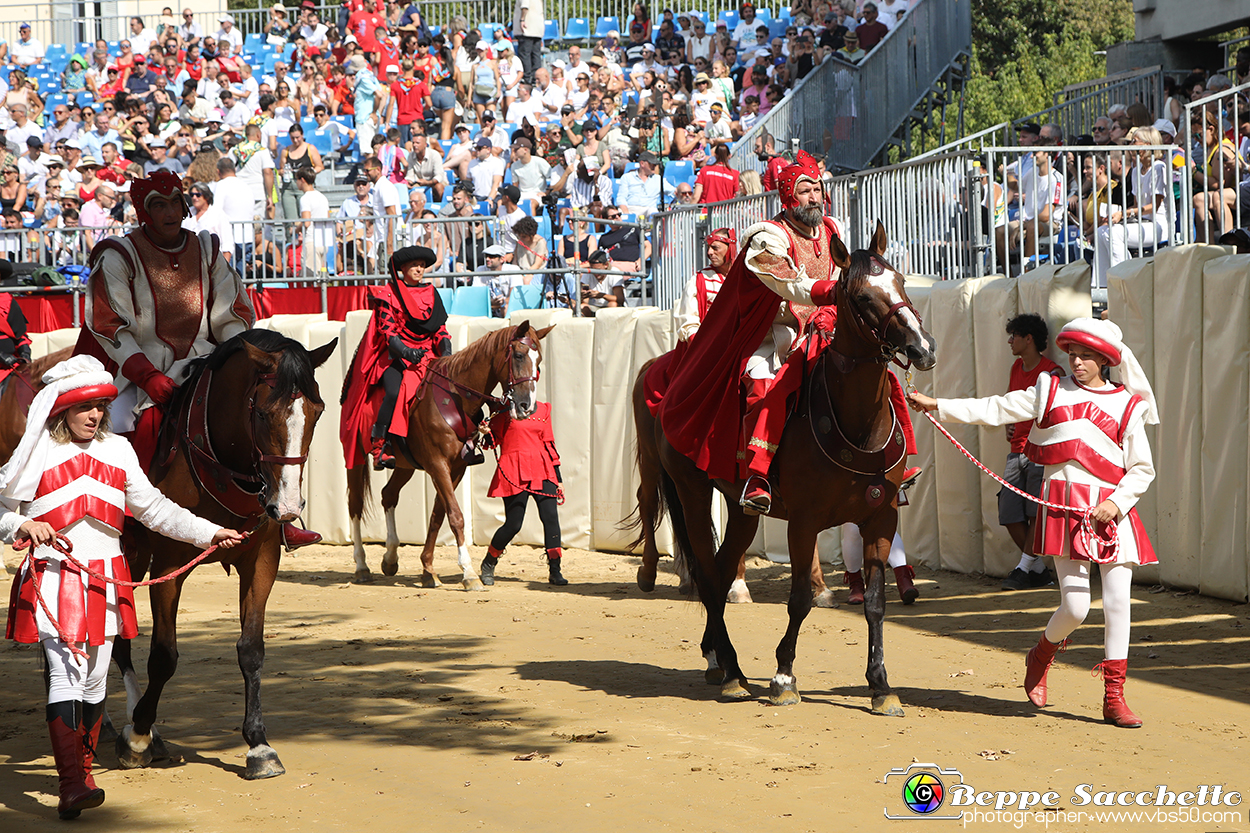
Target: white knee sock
1073,599
853,549
1117,585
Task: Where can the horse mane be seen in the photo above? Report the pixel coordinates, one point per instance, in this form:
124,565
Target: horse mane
856,275
43,364
293,375
457,365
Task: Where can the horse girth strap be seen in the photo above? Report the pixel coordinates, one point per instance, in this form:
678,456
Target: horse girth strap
833,442
236,493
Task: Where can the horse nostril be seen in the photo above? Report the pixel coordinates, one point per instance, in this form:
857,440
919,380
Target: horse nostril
272,511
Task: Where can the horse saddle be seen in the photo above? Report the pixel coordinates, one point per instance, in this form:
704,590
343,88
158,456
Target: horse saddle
873,464
464,425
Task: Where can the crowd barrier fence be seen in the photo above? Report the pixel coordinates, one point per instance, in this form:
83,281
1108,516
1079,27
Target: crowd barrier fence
1083,104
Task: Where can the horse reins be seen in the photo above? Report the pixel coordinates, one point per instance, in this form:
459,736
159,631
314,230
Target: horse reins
496,403
1086,532
876,334
65,547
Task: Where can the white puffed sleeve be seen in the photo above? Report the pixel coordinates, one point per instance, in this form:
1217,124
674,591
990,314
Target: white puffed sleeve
793,283
1016,406
686,314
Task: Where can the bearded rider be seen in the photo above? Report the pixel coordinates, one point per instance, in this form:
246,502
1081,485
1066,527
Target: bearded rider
782,274
157,299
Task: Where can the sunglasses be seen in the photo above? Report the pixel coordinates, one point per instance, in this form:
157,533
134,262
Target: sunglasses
195,194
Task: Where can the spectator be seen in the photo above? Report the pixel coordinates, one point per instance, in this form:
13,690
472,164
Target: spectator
462,152
235,200
851,51
13,189
529,172
526,105
600,287
207,217
189,31
1147,224
23,127
641,19
528,27
640,188
1102,131
467,240
141,38
719,130
509,213
1041,192
670,41
160,161
698,42
350,231
384,206
891,11
229,39
500,284
425,166
486,170
74,78
531,250
703,98
26,50
433,238
550,96
277,27
871,30
511,71
586,183
487,85
716,182
97,214
316,234
1214,176
743,35
341,136
366,90
758,88
255,166
61,127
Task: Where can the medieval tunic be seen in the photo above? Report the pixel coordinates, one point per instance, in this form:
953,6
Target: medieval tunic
84,493
527,452
1092,443
171,306
696,298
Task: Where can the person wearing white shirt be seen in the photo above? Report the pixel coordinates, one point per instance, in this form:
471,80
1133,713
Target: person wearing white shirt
486,170
207,217
552,96
890,12
509,214
576,64
744,33
501,286
317,236
26,50
314,31
384,205
247,88
190,31
698,42
234,198
140,37
234,113
228,34
526,104
349,232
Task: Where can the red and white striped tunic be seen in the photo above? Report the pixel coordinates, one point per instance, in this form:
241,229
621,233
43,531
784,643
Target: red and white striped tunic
1092,443
84,494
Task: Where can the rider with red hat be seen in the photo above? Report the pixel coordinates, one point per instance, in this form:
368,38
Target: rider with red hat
782,273
701,290
157,299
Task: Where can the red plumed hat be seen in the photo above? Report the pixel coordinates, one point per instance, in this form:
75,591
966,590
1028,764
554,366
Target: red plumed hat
159,184
803,167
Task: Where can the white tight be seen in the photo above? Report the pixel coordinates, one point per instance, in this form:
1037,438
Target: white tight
69,679
1117,582
853,549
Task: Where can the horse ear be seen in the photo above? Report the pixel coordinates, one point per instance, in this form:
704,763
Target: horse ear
543,332
259,356
837,250
879,240
318,357
521,330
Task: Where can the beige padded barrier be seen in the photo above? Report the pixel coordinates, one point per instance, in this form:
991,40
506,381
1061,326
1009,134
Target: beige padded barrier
918,521
1178,388
1225,426
1058,294
654,335
1131,305
60,339
958,482
612,478
325,478
995,303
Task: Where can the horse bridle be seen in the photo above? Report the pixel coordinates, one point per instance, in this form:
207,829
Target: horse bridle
497,403
270,379
876,335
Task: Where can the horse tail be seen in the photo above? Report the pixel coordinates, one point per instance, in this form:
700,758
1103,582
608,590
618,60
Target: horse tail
652,505
683,552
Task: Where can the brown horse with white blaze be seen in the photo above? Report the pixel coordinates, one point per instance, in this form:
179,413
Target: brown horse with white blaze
232,451
846,394
509,358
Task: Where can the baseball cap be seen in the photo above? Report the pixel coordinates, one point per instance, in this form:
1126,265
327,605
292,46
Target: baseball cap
1031,127
648,47
487,115
522,142
459,127
34,142
482,46
1165,126
225,18
558,63
483,142
494,250
511,192
567,110
598,256
139,59
392,68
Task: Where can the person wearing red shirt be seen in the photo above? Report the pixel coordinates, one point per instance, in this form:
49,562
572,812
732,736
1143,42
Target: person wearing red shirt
528,465
716,182
425,62
1028,336
344,102
409,96
387,53
871,30
363,24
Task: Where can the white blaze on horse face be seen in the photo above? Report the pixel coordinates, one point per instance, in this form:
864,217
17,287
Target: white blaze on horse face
886,283
290,502
523,394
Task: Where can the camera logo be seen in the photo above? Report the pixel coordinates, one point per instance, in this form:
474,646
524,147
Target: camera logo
923,789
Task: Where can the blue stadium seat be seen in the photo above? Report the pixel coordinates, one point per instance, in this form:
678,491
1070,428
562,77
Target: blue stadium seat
471,300
55,51
551,30
435,31
347,121
488,30
321,139
730,18
679,172
483,207
85,48
763,16
446,144
777,29
308,123
525,296
577,29
607,24
446,294
54,100
85,99
254,41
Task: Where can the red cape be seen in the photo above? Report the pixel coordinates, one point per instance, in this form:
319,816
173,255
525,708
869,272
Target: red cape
702,410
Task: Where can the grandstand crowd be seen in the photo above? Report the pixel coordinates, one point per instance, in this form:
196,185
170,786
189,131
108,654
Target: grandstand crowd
414,121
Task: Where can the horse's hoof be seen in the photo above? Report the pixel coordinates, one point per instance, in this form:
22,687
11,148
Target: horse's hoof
430,580
159,752
129,757
646,578
714,676
364,576
786,694
738,593
262,762
735,690
887,704
824,599
474,583
390,568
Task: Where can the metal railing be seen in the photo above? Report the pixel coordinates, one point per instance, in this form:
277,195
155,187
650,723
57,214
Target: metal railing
848,112
1085,103
676,250
1215,169
999,134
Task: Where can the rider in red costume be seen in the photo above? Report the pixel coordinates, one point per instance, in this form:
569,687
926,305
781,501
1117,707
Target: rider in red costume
782,273
405,334
157,299
14,342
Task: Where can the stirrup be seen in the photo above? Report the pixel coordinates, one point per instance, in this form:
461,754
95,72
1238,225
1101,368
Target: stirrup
757,501
910,476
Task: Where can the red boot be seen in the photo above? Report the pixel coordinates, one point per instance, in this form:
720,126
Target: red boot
855,581
92,714
293,537
1038,663
903,579
67,751
1114,709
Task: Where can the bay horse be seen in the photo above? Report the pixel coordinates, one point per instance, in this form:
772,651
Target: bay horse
846,394
232,451
17,391
455,387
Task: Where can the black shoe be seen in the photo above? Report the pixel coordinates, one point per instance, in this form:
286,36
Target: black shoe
554,576
1042,579
1019,579
487,572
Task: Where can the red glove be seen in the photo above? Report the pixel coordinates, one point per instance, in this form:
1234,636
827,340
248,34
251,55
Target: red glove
139,369
824,293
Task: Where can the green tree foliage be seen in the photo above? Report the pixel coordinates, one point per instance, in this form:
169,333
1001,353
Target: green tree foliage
1024,51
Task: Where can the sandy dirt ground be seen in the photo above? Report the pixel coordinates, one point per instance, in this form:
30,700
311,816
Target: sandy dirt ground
527,707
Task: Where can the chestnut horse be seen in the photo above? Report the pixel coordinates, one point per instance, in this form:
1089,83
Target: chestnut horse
16,393
876,322
233,451
509,357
